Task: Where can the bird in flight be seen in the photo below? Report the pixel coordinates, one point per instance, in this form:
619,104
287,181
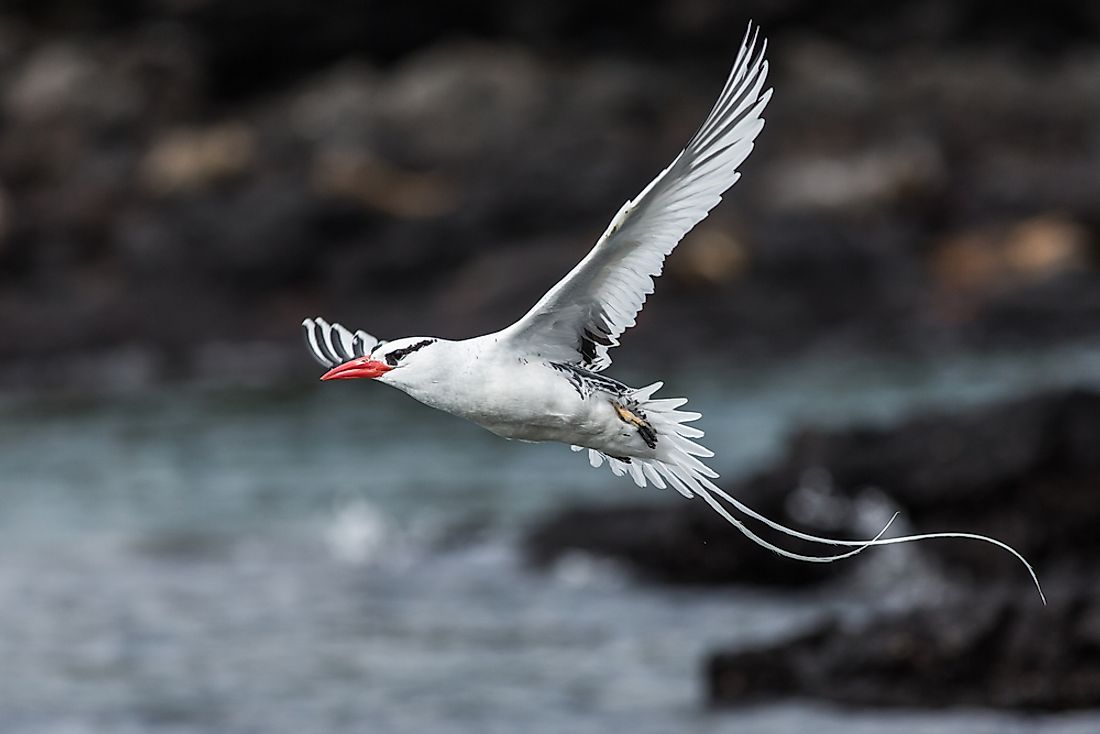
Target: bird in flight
541,379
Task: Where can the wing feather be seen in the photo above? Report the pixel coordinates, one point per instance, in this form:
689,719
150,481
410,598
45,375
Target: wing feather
582,317
332,344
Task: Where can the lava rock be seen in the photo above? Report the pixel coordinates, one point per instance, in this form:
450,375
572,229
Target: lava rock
681,544
1025,472
1000,651
329,159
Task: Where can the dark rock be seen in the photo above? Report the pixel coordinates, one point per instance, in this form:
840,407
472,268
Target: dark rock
682,544
999,651
154,154
1024,472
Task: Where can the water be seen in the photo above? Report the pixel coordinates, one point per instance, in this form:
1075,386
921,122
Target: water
335,558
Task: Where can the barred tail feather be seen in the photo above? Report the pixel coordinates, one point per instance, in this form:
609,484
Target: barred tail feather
678,465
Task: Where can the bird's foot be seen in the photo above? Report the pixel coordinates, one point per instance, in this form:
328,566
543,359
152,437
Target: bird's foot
637,419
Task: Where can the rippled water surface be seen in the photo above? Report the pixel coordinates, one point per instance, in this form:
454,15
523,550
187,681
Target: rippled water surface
338,558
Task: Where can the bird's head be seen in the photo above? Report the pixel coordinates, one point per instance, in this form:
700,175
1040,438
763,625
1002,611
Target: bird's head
396,361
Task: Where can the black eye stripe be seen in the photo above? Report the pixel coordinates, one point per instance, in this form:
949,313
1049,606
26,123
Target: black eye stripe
396,356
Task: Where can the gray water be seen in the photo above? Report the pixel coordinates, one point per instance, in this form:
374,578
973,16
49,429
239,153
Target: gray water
337,558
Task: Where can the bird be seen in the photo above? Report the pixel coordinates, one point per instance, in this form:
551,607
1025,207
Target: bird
541,379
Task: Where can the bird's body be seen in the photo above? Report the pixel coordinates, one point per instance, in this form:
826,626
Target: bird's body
541,379
525,397
531,401
513,396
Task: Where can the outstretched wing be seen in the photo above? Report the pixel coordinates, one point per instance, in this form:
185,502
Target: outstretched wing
332,344
584,315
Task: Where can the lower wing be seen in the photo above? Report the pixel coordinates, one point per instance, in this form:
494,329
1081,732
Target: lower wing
332,345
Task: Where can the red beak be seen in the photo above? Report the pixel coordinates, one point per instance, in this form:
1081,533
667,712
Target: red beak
357,368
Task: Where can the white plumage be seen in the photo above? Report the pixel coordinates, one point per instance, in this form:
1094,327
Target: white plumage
603,294
332,344
539,379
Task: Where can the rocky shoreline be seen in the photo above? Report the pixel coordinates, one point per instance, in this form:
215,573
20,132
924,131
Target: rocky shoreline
1026,472
174,190
1001,651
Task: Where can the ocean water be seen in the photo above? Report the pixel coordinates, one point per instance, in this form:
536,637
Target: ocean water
337,558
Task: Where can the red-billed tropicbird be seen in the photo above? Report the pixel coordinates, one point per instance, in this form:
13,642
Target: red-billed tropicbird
540,378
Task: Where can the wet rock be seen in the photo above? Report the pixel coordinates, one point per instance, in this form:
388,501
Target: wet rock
50,82
681,544
455,101
1000,651
158,153
712,256
869,179
195,159
995,258
1024,472
356,176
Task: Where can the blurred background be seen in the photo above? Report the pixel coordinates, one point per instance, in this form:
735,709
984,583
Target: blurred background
896,309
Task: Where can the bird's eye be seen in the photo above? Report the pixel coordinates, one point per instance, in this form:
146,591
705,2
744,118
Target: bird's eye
399,354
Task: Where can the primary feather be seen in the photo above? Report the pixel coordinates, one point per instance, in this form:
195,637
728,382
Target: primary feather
332,344
582,317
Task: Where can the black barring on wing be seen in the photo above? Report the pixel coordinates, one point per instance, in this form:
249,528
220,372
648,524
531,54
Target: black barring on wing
309,328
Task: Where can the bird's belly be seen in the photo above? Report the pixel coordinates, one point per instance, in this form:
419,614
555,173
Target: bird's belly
595,426
539,410
533,403
567,420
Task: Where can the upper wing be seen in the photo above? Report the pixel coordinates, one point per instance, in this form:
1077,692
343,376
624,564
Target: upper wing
332,344
584,315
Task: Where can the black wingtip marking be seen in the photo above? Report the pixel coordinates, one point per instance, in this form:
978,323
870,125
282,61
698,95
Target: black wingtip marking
585,382
588,349
591,341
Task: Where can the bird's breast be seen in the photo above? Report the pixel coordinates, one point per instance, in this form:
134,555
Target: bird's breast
522,401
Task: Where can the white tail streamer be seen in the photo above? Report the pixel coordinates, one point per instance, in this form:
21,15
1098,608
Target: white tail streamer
678,464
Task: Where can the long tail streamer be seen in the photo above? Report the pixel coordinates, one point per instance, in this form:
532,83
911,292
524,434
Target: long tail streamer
679,464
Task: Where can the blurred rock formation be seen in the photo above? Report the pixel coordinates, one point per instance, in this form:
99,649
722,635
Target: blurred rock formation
177,175
1026,472
995,651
